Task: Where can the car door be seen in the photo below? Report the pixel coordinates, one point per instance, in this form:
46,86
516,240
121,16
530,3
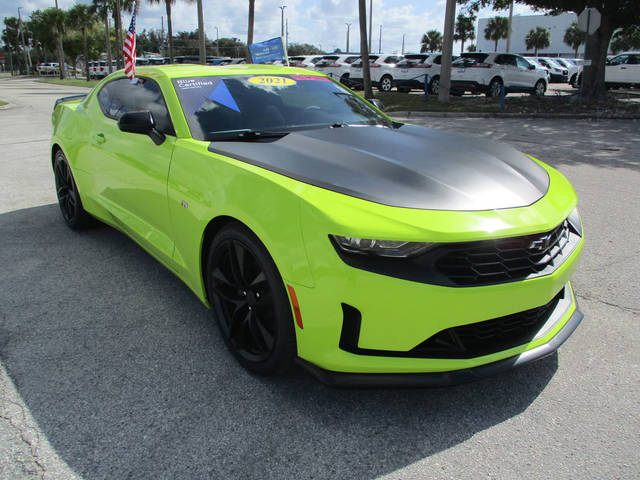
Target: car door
628,73
527,77
633,70
129,170
508,69
615,69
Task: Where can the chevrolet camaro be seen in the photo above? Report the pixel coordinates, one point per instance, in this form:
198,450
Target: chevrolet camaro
319,230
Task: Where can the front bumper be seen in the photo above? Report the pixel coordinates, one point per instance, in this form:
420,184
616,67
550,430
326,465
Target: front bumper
443,379
398,315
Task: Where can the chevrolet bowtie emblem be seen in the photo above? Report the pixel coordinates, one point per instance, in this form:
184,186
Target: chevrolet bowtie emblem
541,243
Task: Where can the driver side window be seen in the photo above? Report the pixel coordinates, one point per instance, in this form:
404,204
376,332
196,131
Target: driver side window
121,96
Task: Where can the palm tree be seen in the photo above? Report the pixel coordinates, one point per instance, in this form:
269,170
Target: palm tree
168,4
574,37
252,8
55,21
101,8
201,36
497,28
117,7
537,39
81,17
465,29
431,41
364,50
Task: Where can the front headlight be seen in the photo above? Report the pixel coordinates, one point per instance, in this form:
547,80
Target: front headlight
381,248
574,221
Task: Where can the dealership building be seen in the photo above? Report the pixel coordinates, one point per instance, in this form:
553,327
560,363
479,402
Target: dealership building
522,24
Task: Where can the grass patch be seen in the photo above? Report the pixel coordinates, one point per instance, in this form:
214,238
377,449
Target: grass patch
70,82
567,104
2,103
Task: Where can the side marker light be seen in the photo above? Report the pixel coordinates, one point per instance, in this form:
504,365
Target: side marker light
296,306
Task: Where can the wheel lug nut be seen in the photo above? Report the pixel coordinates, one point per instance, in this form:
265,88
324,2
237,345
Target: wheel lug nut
244,293
257,294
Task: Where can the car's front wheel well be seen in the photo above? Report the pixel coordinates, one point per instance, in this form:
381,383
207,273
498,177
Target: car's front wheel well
55,148
210,231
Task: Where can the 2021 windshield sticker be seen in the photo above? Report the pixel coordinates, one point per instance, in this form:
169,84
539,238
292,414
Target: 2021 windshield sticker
272,81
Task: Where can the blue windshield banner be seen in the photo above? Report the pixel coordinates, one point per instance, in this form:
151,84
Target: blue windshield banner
266,51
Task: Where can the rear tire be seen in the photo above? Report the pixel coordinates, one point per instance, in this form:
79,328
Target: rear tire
434,85
539,89
69,201
249,301
494,88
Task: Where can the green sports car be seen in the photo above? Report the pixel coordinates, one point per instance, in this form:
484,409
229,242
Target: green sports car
319,230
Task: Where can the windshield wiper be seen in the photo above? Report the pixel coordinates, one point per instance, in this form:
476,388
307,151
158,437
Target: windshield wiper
243,135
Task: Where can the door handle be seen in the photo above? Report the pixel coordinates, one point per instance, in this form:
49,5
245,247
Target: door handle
99,137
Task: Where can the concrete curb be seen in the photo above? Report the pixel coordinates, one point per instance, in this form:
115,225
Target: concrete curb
557,116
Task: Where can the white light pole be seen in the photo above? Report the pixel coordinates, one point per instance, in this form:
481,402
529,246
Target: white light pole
370,22
348,29
217,43
282,19
380,41
27,55
402,53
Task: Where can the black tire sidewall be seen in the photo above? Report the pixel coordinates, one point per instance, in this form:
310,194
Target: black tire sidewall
81,219
284,352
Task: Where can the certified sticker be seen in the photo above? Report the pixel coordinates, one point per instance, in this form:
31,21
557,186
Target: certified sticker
272,81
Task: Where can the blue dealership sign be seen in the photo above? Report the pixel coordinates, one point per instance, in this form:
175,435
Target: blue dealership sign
272,49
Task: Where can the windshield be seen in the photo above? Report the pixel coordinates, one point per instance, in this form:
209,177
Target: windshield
269,103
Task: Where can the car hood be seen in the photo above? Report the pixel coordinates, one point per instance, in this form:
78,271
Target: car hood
409,166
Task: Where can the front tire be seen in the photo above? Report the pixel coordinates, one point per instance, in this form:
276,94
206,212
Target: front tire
249,301
386,83
69,201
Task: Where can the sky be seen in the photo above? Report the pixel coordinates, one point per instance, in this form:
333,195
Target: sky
318,22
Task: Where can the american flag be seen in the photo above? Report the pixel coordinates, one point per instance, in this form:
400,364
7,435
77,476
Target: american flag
129,47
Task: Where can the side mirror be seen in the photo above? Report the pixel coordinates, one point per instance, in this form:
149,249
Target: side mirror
141,122
379,105
532,67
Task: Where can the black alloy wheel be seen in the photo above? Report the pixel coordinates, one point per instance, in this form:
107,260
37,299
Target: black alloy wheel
71,208
249,301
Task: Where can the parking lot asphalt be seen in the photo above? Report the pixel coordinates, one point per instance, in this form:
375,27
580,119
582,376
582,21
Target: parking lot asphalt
112,369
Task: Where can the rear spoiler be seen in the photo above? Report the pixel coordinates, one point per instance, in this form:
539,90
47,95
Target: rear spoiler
69,99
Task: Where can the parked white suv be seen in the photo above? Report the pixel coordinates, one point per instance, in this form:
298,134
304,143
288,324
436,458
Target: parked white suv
488,72
623,70
559,73
336,66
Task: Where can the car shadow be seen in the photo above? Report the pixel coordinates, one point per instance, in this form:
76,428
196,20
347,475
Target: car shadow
127,376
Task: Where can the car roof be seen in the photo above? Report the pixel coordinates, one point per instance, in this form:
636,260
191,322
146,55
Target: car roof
193,70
